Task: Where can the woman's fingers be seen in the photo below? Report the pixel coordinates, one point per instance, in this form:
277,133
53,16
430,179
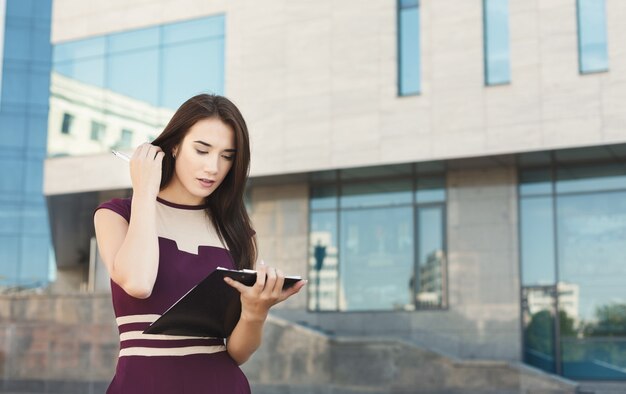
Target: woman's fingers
278,285
261,274
292,290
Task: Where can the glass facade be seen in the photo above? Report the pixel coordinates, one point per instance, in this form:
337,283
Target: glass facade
496,42
26,63
573,227
377,240
409,66
130,83
592,43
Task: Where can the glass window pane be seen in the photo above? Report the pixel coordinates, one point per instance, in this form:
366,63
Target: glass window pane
592,45
212,27
376,252
9,258
535,182
134,40
324,197
88,71
323,259
376,172
496,28
431,254
430,189
376,194
12,175
409,47
538,310
591,178
537,241
205,73
33,270
592,295
135,75
81,49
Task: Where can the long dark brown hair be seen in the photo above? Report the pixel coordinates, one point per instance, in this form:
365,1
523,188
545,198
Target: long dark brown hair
225,205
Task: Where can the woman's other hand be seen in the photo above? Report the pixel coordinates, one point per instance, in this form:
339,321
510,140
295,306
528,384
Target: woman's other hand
256,300
145,170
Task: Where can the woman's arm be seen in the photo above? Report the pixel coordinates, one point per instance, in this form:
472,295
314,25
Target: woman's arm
130,251
256,300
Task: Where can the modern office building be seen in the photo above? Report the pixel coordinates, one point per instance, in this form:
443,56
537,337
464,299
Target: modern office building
448,172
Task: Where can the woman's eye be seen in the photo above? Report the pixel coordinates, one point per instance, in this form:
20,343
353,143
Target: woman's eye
228,157
200,152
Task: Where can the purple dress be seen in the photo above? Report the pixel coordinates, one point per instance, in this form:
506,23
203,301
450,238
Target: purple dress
189,250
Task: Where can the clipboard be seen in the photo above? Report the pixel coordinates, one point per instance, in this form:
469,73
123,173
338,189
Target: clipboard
211,308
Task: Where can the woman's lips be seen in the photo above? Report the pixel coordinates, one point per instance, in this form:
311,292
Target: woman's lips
205,183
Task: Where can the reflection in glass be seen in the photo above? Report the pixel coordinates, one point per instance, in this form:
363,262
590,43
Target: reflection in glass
591,233
538,311
409,48
535,182
323,267
360,195
97,130
376,259
592,44
324,197
430,246
496,29
430,189
537,241
132,80
66,126
591,178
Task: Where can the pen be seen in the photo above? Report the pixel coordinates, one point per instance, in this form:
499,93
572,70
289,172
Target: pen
120,155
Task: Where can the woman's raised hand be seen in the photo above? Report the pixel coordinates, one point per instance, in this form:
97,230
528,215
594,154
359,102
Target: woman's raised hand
256,300
145,170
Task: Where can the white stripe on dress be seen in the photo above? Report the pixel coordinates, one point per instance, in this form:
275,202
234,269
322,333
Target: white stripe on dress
136,319
125,336
178,351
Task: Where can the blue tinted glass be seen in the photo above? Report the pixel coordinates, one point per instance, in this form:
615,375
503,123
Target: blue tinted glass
592,45
591,178
13,83
41,46
9,257
39,88
33,182
35,219
376,194
89,71
535,182
37,134
134,74
409,3
33,270
324,197
409,45
13,128
192,68
212,27
74,50
21,8
592,296
377,254
432,189
323,267
12,175
133,40
537,241
11,219
430,246
17,42
496,28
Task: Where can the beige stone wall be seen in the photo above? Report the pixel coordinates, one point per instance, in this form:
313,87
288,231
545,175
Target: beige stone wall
280,218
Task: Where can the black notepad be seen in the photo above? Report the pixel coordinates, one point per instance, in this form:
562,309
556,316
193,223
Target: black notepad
209,309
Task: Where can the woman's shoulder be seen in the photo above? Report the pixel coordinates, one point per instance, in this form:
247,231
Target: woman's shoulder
121,206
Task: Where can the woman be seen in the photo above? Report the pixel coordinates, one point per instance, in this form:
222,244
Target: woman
188,218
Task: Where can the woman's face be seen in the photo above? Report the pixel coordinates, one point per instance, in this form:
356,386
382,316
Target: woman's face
205,156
